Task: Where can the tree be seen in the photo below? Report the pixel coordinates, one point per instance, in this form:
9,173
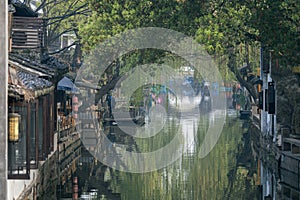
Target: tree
112,17
231,26
226,32
232,31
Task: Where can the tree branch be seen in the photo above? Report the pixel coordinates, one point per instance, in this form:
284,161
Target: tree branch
61,18
69,14
249,86
63,49
106,88
44,4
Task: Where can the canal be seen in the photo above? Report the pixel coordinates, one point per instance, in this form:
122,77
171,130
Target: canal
229,171
231,166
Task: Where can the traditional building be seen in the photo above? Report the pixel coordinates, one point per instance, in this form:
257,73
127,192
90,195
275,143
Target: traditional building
31,118
33,125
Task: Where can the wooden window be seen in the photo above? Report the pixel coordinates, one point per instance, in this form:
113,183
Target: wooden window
18,151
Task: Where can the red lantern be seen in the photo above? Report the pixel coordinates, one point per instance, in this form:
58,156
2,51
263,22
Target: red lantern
75,180
75,115
75,108
75,99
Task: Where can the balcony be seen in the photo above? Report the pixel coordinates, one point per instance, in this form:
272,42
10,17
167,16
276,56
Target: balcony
27,32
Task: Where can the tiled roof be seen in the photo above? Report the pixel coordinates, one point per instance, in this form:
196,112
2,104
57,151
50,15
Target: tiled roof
26,83
32,81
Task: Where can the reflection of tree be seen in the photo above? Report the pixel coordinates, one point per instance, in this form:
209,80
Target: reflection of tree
241,176
220,175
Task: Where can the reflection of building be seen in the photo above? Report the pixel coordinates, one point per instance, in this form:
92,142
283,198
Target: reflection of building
290,185
268,183
284,145
282,185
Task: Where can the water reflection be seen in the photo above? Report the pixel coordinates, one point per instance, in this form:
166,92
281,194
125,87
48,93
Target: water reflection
277,182
217,176
228,172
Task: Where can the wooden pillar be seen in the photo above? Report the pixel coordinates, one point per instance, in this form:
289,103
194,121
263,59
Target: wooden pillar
37,131
28,128
3,98
44,121
49,124
46,125
55,112
51,120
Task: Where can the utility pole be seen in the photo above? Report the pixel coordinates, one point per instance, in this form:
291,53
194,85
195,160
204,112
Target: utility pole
3,97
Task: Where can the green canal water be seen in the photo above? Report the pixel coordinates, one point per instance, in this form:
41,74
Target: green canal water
227,172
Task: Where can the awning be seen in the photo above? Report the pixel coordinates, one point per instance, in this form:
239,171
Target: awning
66,84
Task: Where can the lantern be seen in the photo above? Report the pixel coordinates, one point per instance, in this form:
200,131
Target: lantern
14,120
75,180
75,99
75,188
75,115
75,108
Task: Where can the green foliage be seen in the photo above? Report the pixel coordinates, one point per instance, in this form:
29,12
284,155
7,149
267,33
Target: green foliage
224,28
231,31
112,17
278,23
220,25
275,24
